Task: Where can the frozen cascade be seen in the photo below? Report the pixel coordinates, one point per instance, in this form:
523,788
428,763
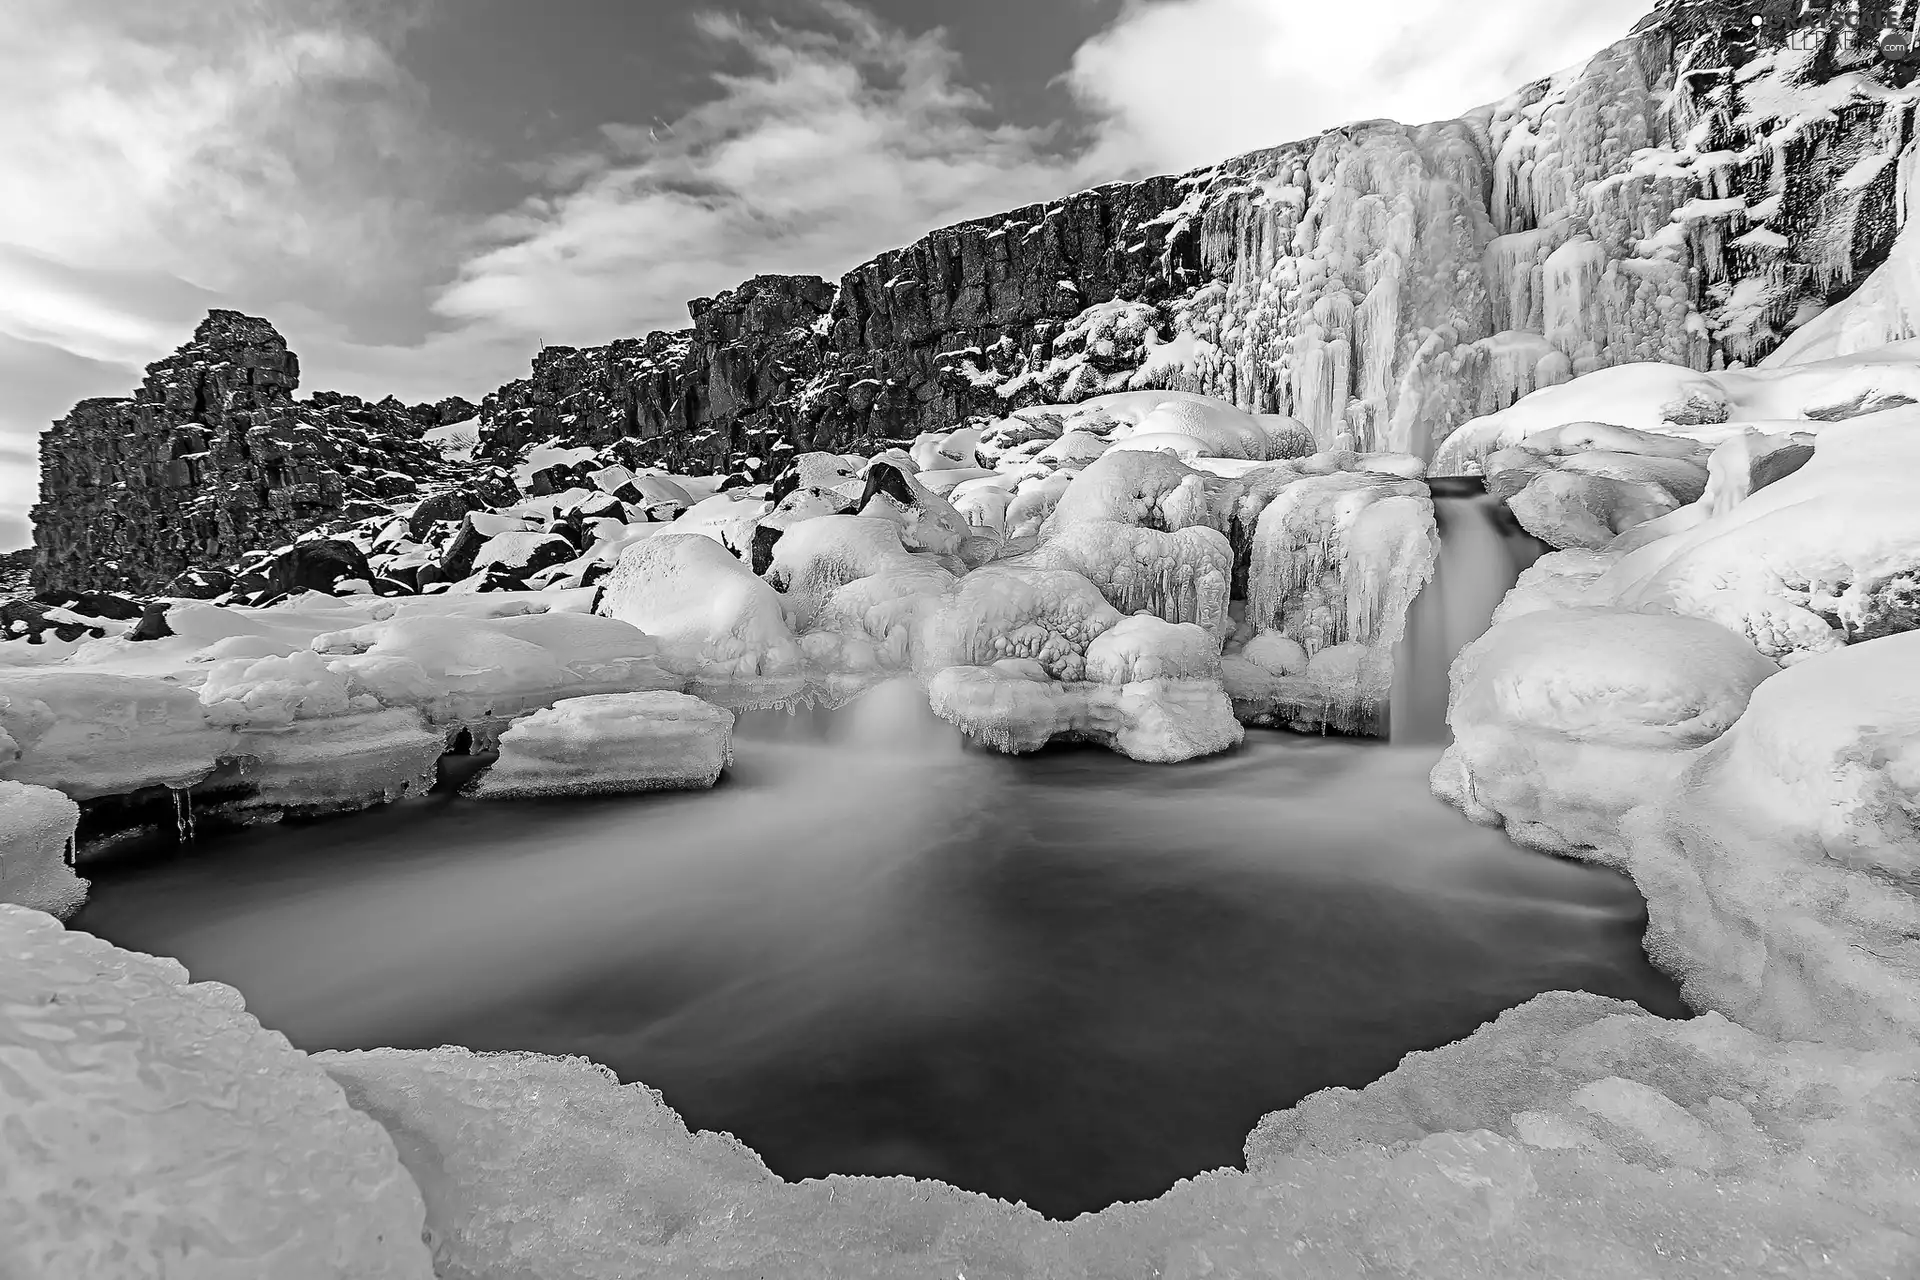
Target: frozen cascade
1482,553
1338,558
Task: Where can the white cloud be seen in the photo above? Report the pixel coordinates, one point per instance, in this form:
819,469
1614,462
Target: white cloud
168,157
834,143
1182,83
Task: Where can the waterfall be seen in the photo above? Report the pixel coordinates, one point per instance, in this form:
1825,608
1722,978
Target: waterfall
1482,552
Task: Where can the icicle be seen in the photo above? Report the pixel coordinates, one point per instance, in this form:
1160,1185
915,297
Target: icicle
183,814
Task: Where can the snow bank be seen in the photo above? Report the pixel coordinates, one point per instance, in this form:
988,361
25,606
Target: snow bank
1575,1137
611,743
153,1127
36,849
1780,869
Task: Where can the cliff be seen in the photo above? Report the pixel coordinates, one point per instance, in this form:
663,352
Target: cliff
213,456
1691,195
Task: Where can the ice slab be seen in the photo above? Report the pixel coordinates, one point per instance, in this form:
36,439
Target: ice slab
36,849
611,743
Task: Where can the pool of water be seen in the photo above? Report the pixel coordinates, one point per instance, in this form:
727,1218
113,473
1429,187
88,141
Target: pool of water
1067,979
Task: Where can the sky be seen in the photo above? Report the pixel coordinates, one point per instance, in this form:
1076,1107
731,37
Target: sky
420,193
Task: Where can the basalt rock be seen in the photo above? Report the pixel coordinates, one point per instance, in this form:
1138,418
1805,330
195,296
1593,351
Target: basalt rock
1380,282
213,456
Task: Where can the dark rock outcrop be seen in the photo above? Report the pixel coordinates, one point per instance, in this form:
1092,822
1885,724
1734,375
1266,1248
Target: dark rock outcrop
213,457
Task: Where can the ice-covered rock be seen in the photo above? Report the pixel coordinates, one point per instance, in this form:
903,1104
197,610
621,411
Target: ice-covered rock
1018,657
36,849
1780,862
1182,576
1335,562
715,622
153,1127
1564,719
96,733
611,743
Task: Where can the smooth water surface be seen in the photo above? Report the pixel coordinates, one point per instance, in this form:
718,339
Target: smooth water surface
1066,979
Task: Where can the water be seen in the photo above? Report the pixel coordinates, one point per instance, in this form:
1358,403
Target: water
1483,551
1066,979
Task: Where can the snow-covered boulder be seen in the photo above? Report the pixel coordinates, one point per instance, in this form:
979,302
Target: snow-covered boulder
1823,557
36,849
153,1127
715,622
1779,864
611,743
1564,718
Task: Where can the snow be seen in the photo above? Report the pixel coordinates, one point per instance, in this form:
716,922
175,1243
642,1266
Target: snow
153,1127
611,743
36,848
1574,1137
715,622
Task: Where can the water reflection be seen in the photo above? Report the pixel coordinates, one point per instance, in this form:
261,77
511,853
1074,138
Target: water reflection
1067,979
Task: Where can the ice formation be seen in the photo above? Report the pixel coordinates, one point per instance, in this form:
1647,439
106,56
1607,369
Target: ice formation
36,849
611,743
714,620
154,1127
1334,565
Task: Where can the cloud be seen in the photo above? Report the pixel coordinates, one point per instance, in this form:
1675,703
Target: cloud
832,142
171,157
1177,84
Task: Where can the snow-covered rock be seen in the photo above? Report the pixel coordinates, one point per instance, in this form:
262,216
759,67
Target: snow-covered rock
715,622
611,743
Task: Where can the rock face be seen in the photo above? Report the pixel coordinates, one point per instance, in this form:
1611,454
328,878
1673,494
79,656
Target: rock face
1690,196
212,457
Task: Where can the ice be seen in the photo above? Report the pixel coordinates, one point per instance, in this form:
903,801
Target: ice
1183,576
611,743
1779,865
1335,563
1575,1136
91,733
36,848
154,1128
1017,657
1150,490
1564,718
715,622
851,574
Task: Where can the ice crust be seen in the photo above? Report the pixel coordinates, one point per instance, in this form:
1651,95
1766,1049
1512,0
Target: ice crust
152,1127
611,743
36,848
1575,1136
